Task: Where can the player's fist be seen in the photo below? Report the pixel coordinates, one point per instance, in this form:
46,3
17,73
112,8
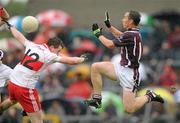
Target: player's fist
107,20
85,56
96,30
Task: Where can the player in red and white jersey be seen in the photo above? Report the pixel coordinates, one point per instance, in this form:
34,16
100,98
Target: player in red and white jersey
126,71
4,78
23,78
36,59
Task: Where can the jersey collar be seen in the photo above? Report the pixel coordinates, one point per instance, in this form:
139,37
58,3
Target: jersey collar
133,29
46,46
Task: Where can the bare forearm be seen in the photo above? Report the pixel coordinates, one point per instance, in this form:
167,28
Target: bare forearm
115,31
18,35
78,60
71,60
106,42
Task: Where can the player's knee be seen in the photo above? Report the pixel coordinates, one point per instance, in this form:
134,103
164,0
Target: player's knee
129,109
95,66
37,116
36,119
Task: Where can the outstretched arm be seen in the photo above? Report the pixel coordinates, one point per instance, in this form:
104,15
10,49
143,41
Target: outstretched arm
115,31
18,35
116,42
106,42
111,28
71,60
119,41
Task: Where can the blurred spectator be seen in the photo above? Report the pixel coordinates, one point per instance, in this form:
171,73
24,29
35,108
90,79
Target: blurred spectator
174,37
80,88
83,45
148,36
146,56
51,88
44,35
168,77
53,22
56,109
156,111
52,83
10,116
14,57
165,52
56,69
161,32
164,30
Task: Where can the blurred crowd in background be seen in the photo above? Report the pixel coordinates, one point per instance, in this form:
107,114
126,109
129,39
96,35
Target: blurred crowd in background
63,87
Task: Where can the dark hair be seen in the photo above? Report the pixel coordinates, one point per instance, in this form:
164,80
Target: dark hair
135,16
56,42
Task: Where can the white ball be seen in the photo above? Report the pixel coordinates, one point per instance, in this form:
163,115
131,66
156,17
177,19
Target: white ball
30,24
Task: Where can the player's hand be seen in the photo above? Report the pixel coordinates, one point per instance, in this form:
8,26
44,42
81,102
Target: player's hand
85,56
8,24
107,20
96,30
4,14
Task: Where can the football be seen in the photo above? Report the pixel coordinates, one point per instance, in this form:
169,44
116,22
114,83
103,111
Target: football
30,24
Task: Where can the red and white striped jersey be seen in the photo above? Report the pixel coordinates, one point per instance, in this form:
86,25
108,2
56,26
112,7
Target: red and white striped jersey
36,59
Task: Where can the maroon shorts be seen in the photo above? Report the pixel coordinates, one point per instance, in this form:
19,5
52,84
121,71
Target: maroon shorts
28,98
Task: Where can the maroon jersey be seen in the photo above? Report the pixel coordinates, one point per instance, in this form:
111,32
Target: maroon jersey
130,43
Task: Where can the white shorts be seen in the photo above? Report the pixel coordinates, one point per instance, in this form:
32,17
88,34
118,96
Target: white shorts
127,77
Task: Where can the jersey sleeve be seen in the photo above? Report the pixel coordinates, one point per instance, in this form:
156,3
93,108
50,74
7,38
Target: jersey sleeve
125,39
52,57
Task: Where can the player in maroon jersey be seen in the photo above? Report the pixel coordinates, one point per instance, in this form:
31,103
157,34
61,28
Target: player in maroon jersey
126,71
